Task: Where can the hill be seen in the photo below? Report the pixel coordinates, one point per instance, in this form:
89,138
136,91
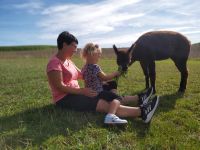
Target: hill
195,50
47,50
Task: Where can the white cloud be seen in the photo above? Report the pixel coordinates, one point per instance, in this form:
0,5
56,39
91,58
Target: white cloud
82,19
31,6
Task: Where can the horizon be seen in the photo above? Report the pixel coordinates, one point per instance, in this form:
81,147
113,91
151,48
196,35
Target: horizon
104,22
120,47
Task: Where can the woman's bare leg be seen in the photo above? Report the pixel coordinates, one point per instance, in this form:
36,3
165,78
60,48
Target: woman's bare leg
127,111
122,111
130,99
127,99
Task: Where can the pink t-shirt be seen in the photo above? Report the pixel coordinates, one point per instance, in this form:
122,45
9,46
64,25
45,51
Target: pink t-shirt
70,76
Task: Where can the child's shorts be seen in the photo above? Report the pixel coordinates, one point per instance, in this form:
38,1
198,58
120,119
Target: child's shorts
109,96
110,85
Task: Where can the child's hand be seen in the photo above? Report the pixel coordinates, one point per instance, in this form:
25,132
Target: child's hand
117,74
120,73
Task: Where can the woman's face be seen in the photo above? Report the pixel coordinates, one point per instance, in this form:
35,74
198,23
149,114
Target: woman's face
70,49
73,46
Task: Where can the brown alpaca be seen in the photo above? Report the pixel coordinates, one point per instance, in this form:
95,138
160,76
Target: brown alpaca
157,45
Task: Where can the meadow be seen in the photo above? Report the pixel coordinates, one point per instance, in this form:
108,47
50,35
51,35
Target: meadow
28,119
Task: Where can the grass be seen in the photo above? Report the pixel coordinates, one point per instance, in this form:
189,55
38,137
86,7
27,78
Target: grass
29,121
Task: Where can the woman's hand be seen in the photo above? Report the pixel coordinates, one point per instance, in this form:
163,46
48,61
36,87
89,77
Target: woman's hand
88,92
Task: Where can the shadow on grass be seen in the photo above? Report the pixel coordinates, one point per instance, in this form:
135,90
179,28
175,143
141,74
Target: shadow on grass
35,126
168,101
141,128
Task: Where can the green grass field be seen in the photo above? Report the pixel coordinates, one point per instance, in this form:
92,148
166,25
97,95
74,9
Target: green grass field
28,120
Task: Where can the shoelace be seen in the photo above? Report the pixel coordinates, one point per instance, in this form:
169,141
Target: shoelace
115,118
144,97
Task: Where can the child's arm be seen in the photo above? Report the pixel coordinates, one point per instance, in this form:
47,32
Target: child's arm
106,77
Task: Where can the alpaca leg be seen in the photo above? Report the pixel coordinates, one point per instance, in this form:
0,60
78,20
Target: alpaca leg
182,67
146,73
152,74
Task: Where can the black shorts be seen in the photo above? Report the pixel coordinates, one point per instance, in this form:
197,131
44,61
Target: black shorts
108,96
110,85
78,102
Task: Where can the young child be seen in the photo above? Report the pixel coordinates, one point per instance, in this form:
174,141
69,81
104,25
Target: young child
94,76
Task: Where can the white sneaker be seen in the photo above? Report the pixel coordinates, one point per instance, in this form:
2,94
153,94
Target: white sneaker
113,119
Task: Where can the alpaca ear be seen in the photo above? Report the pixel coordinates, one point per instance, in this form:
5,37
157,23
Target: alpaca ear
115,49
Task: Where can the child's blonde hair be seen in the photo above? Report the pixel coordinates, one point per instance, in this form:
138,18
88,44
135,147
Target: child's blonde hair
90,49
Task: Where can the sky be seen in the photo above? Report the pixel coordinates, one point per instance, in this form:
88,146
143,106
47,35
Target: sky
106,22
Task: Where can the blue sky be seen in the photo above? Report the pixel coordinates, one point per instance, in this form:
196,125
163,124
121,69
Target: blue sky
107,22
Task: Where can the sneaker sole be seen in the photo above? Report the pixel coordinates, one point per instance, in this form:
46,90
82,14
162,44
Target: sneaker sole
152,112
115,123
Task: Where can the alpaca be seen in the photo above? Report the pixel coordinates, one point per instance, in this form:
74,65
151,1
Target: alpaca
157,45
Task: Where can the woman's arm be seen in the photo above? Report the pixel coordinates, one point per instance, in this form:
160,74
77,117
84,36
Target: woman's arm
56,79
79,73
106,77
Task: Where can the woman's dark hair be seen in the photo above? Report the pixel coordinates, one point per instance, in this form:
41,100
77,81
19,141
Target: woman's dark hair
66,37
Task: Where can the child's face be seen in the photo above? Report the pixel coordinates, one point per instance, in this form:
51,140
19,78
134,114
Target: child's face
94,57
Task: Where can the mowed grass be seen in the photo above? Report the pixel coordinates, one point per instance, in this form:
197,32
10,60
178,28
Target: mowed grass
28,120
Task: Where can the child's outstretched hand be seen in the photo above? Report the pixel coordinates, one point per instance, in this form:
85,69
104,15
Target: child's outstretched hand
122,73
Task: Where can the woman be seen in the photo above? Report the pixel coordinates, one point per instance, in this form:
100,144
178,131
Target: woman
63,78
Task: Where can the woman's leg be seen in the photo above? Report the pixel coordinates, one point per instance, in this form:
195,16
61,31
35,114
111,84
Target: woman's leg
127,111
146,111
139,99
130,99
122,111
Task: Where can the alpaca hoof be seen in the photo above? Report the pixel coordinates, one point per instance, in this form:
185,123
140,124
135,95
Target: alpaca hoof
181,90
